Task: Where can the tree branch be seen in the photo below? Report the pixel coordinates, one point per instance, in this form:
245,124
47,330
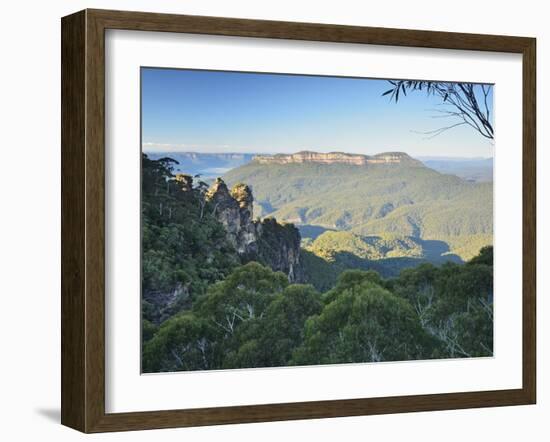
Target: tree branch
461,96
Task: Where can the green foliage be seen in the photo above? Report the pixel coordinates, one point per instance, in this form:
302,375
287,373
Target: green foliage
362,322
349,279
454,303
485,256
318,271
329,244
202,310
183,245
270,340
184,342
333,252
406,200
255,318
243,296
251,319
148,330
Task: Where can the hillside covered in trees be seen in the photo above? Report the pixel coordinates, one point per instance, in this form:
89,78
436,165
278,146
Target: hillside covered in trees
223,290
386,194
256,318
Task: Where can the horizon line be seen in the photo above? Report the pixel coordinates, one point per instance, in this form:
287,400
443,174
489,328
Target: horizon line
232,152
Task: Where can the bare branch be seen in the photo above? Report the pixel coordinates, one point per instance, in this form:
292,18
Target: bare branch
435,133
460,96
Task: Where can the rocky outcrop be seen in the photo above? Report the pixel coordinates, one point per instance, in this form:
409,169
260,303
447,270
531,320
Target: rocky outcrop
160,305
234,210
336,158
268,242
279,248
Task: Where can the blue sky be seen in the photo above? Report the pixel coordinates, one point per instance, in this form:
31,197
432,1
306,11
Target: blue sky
216,111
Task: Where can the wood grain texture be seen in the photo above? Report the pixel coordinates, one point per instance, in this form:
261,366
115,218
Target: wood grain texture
95,221
145,21
73,256
529,220
83,220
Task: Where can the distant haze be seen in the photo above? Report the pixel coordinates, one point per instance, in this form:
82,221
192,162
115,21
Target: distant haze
212,165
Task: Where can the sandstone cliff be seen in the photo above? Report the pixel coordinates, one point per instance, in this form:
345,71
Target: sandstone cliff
234,211
268,242
336,158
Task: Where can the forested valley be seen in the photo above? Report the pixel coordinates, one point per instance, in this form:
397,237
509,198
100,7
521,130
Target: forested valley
222,290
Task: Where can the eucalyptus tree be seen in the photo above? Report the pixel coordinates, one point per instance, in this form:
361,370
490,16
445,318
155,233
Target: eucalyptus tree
463,104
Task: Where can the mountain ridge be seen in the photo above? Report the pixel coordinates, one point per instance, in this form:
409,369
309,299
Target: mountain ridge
210,165
307,156
405,198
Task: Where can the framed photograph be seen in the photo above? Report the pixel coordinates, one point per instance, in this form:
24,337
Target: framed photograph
269,220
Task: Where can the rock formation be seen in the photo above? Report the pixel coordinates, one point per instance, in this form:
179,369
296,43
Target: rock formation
268,242
234,210
279,248
336,157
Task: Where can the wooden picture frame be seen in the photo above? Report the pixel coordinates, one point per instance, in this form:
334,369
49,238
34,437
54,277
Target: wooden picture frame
83,220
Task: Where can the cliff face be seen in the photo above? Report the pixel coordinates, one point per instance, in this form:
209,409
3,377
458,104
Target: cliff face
336,158
234,210
268,242
279,248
